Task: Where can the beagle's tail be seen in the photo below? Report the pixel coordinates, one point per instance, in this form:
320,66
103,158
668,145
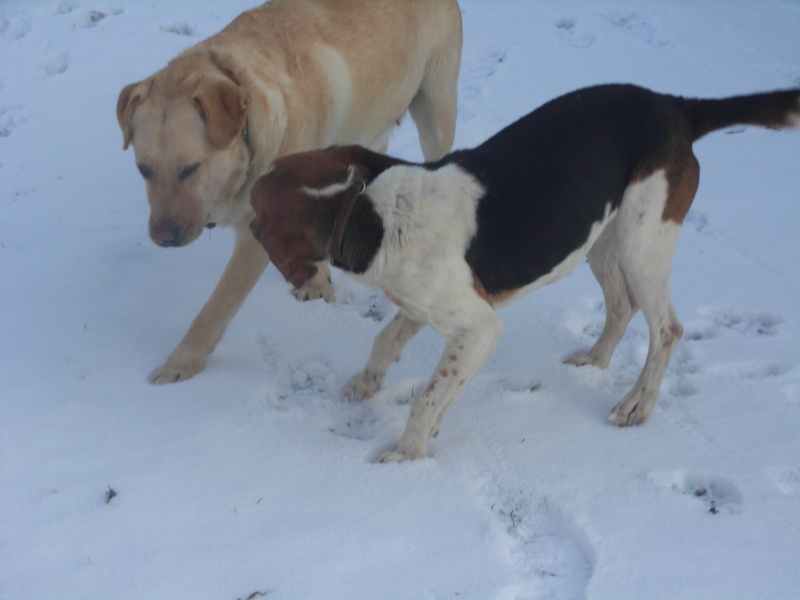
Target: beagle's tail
777,110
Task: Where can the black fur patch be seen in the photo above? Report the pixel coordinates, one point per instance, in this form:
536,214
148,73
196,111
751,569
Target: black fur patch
362,237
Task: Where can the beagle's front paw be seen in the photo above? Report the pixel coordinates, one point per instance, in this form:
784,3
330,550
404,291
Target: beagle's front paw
363,385
318,286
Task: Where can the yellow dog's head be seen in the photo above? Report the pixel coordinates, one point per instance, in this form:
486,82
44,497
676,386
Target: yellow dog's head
187,124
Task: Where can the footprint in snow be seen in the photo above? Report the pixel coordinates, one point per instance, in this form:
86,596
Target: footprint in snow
310,389
16,29
63,8
56,65
481,69
682,367
548,552
10,119
715,494
94,17
179,29
698,221
636,26
312,376
575,36
748,323
369,302
786,480
314,397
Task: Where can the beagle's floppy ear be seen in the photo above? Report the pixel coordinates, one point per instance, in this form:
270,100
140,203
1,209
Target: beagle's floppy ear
223,106
130,97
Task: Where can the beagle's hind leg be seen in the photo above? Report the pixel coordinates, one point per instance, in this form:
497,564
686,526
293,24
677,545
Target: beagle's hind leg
646,250
620,304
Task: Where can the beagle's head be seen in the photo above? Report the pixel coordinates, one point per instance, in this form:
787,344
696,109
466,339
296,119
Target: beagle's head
297,203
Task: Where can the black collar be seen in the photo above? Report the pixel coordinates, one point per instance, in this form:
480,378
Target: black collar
246,140
339,227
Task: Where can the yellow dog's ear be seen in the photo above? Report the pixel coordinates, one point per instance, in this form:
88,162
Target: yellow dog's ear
223,106
130,97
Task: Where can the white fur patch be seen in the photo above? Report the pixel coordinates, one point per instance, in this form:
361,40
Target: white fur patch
429,220
794,118
334,188
643,235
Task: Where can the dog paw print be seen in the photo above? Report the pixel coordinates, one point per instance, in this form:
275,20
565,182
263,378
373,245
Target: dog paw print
179,29
681,372
714,494
10,118
375,306
698,221
312,376
748,323
352,420
786,480
93,18
369,303
56,65
636,26
719,321
586,324
574,35
739,321
15,29
64,8
483,68
542,545
520,386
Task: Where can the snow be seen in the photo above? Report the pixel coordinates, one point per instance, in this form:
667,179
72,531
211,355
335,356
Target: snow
255,477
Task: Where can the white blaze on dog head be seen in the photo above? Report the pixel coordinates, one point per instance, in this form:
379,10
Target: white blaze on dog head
186,130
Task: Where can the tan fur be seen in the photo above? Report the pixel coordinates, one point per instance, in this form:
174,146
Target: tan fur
288,76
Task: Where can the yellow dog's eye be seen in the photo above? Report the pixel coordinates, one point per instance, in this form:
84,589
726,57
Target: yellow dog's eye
188,171
146,171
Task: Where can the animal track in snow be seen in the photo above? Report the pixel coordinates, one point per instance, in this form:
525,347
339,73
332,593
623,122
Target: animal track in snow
482,69
311,376
94,17
740,321
715,494
179,29
786,480
548,553
520,386
63,8
10,119
635,25
314,389
11,31
748,323
308,389
575,36
56,65
698,221
369,302
682,367
753,369
375,307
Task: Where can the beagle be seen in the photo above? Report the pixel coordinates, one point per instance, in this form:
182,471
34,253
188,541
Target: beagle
606,172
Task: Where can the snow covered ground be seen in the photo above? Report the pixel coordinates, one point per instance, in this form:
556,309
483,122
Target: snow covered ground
254,479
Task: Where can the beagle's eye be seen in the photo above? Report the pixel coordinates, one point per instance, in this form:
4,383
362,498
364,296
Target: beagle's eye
188,171
146,171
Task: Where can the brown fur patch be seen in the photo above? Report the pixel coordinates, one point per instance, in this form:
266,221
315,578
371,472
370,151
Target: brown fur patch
476,283
683,178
